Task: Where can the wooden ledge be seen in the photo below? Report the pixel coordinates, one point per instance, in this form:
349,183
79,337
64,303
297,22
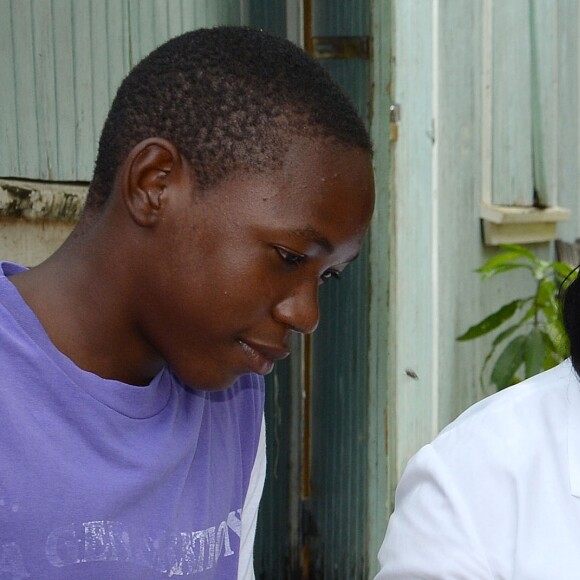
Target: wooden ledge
35,200
520,225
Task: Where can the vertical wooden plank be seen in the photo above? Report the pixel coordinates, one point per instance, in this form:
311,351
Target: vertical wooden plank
272,546
228,12
186,16
44,67
25,88
512,108
411,310
99,58
269,16
200,12
86,134
486,102
9,164
160,22
118,59
381,381
175,21
210,14
569,115
61,38
221,13
142,28
461,166
294,24
544,91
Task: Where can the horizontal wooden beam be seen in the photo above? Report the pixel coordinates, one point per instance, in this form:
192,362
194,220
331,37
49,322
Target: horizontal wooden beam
34,200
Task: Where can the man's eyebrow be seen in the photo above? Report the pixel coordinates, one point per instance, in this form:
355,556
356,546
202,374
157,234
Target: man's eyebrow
313,235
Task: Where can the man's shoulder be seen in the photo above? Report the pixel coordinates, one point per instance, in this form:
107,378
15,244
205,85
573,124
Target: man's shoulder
523,412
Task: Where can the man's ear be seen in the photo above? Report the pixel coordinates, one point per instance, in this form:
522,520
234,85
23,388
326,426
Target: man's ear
150,169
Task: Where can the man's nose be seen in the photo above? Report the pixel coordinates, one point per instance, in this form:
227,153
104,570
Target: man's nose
300,311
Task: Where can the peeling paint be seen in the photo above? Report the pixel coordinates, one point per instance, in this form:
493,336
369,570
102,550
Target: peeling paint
33,200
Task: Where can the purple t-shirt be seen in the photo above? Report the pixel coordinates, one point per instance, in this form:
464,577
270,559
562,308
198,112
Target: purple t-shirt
104,480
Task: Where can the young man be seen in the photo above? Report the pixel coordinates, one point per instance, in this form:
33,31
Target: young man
233,179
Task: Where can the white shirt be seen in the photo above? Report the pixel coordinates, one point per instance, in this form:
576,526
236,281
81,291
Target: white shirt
497,494
250,509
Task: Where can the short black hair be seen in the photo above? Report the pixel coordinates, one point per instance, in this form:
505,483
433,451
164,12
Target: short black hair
225,97
571,315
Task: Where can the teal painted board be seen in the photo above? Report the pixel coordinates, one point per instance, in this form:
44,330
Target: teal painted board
336,521
61,64
8,101
344,18
412,291
272,546
512,171
266,15
459,160
17,91
380,488
568,116
45,84
544,90
336,511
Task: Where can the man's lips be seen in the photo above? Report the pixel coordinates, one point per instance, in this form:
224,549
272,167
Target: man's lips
261,356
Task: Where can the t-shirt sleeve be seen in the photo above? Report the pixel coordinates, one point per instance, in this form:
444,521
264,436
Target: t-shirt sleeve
250,509
431,534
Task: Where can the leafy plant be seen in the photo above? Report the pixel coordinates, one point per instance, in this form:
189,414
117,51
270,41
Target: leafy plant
535,339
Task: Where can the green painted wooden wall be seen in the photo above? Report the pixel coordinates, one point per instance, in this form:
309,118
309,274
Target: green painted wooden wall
381,461
489,98
53,99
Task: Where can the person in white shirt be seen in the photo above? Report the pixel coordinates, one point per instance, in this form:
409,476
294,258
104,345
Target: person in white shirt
497,494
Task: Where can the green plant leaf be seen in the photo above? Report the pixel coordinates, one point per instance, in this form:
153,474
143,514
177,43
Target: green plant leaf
551,310
542,269
534,353
508,362
546,291
562,269
550,360
559,340
530,312
507,333
505,258
499,260
492,321
489,273
520,251
538,340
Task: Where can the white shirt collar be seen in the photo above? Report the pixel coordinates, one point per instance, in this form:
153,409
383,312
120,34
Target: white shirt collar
573,394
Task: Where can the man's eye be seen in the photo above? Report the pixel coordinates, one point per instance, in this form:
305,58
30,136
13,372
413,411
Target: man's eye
330,274
290,258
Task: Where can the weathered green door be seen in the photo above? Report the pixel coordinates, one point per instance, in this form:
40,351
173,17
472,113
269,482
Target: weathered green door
313,522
